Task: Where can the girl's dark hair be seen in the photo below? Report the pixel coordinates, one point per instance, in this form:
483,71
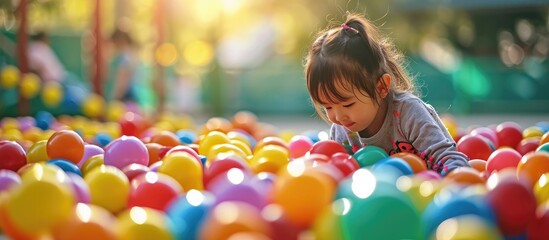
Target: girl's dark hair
354,56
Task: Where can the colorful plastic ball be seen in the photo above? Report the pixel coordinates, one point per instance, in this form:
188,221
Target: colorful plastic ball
153,190
66,166
386,206
478,164
345,163
182,148
513,202
165,138
189,179
299,145
65,144
9,76
541,188
12,135
532,131
468,226
186,136
80,188
93,105
327,226
420,191
126,150
369,155
131,124
294,189
270,158
454,201
133,170
509,134
43,200
154,150
87,222
8,179
89,151
211,139
52,94
12,155
465,176
416,163
244,219
30,85
281,228
327,147
115,111
502,158
544,147
109,188
488,133
544,138
44,119
143,223
528,145
188,212
398,163
235,185
533,165
102,139
539,228
91,163
475,147
221,165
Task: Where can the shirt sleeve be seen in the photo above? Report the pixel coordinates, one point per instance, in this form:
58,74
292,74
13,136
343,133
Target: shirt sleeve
426,132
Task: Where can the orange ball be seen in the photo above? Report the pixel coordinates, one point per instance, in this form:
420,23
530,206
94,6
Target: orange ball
232,217
533,165
67,145
272,140
478,164
417,164
465,175
165,138
87,222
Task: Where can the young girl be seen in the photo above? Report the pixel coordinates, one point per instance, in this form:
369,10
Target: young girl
356,82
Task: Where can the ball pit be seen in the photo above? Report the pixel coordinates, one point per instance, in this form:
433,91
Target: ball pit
68,177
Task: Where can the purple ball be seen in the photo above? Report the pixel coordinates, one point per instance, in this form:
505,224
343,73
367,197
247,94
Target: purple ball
126,150
90,150
8,179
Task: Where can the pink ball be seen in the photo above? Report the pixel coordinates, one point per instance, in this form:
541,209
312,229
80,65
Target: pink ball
475,146
299,145
509,134
89,151
501,159
124,151
488,133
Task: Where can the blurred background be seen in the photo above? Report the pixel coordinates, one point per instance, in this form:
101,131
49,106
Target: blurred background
217,57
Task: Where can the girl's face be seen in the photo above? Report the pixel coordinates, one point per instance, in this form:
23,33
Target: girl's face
356,111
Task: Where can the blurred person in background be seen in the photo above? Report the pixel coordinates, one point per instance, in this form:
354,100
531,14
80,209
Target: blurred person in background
121,83
42,59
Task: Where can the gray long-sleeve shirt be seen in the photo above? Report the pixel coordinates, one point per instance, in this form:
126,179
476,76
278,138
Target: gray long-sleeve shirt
410,125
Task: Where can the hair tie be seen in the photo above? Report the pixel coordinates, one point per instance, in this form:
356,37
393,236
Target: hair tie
347,27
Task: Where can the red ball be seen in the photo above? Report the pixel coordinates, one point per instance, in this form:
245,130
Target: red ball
539,228
514,204
327,147
509,134
528,145
153,190
501,159
12,155
346,163
475,146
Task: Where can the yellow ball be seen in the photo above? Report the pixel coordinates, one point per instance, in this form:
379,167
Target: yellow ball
30,85
541,189
9,77
93,105
189,179
115,110
533,131
52,94
37,152
143,223
109,188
